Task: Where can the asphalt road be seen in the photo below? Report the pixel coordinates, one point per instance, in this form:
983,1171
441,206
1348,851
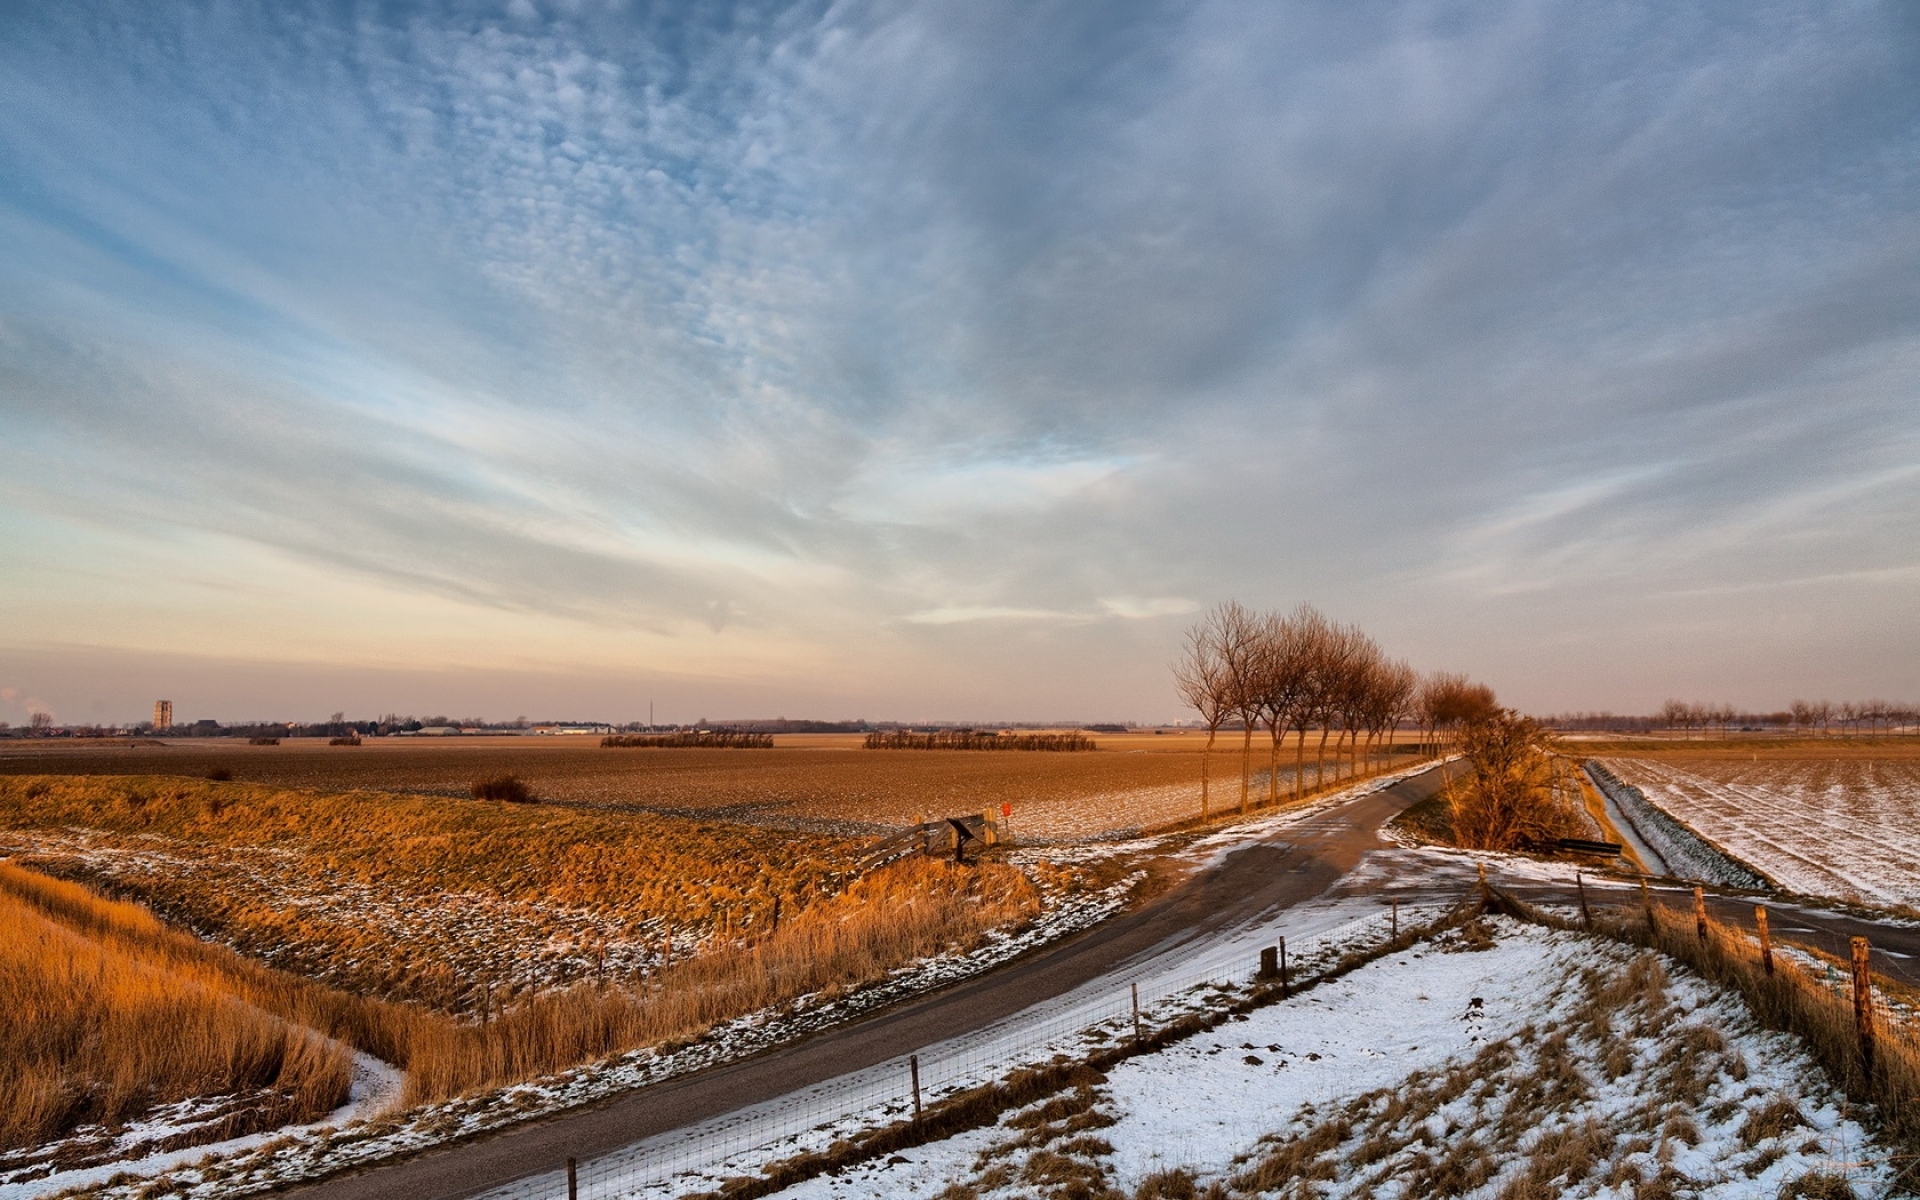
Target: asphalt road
1296,865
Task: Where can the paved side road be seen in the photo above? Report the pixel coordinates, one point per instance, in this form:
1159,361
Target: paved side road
1295,865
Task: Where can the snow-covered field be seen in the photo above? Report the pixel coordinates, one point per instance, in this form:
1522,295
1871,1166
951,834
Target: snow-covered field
1843,827
1468,1067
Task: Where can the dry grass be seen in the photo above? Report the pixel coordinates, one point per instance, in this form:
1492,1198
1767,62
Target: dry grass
912,909
349,888
100,1029
1796,1002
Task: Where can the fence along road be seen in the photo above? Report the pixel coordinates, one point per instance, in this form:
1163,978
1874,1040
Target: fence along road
1171,938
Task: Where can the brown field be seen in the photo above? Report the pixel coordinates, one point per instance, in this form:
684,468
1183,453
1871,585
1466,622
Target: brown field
1831,817
810,782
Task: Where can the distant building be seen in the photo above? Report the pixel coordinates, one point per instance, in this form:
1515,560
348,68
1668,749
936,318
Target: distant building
163,714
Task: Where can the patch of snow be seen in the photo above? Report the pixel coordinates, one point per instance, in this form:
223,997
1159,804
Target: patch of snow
1215,1103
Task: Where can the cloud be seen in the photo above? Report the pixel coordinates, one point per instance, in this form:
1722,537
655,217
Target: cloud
808,323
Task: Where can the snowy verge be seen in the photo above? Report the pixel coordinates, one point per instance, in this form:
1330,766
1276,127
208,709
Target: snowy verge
1501,1059
1092,1023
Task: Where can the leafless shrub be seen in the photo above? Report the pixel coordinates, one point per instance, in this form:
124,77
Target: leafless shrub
1507,799
509,788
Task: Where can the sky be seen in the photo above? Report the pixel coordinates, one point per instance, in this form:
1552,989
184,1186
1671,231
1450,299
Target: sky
947,360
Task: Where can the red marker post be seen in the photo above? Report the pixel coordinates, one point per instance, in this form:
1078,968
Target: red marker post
1006,819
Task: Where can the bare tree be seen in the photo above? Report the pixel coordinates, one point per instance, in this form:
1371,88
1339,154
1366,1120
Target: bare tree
1353,694
1308,633
1448,702
1240,652
1389,701
1205,682
1283,675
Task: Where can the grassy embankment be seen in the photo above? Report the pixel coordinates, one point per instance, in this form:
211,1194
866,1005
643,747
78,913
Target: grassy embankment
829,940
109,1013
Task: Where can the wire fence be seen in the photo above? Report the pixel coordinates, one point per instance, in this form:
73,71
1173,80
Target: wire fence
1141,999
1891,1009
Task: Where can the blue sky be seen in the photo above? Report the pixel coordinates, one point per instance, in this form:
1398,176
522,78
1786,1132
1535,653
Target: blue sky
942,360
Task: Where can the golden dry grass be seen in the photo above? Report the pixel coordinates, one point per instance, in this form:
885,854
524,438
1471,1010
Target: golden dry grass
103,1025
911,909
914,908
353,888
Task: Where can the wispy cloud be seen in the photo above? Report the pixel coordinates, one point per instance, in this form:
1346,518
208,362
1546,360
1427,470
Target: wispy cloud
937,338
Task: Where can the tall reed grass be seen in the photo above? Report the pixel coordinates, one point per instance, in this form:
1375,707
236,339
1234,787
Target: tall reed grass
101,1028
909,910
904,912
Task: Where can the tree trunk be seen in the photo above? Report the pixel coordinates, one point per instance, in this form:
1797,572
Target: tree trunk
1205,755
1246,763
1273,768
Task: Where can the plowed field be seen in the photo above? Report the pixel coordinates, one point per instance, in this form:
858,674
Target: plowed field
1841,821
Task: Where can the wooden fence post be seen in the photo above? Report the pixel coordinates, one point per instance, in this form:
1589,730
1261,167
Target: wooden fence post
913,1064
1396,918
1136,1014
1700,912
573,1181
776,916
1283,968
1766,939
1586,914
1863,1000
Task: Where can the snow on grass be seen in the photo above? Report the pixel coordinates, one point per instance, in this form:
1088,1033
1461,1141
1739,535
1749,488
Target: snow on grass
1505,1059
1198,976
1842,828
1687,855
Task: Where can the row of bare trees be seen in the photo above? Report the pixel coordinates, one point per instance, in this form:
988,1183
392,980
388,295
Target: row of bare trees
1805,716
1298,673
